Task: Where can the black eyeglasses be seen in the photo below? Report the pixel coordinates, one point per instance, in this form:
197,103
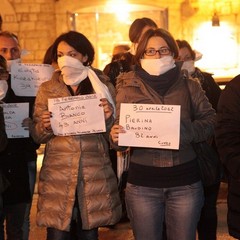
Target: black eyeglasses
161,51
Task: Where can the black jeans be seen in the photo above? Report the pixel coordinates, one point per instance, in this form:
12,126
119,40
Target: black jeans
207,226
55,234
14,216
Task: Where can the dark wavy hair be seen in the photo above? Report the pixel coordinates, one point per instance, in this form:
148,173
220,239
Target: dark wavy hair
159,32
79,42
184,43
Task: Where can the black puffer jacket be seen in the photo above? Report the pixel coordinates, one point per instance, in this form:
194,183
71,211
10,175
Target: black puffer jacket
228,143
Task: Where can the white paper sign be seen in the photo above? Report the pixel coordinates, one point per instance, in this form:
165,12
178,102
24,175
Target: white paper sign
150,125
77,115
14,114
26,78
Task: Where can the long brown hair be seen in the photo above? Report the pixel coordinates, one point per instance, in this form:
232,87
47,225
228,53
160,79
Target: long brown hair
159,32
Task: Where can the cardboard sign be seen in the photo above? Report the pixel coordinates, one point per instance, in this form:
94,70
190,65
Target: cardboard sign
150,125
14,114
26,78
77,115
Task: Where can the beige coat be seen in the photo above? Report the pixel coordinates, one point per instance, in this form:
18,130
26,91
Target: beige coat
74,164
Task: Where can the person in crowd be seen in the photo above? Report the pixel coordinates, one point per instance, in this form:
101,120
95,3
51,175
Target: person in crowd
119,65
3,135
3,143
163,184
119,62
189,57
138,27
19,158
76,169
227,137
119,49
123,63
207,226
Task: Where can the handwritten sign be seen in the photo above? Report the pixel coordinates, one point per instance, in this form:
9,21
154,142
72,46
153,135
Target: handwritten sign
14,114
150,125
77,115
26,78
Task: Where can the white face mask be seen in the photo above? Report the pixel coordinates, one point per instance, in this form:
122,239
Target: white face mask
72,69
3,89
189,66
11,62
157,66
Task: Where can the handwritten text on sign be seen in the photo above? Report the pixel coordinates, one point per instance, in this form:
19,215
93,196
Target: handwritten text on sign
150,125
26,78
77,115
14,114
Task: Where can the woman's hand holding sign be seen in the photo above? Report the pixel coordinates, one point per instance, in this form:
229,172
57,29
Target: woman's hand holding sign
107,108
116,129
46,120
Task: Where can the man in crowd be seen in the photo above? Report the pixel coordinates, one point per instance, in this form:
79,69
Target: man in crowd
18,160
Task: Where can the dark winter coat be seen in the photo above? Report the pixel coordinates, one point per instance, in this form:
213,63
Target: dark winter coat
13,160
209,85
3,136
228,143
3,144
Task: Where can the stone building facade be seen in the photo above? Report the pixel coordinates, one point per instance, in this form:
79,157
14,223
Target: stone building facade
39,22
34,21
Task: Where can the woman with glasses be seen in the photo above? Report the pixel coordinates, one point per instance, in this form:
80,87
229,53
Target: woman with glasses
163,183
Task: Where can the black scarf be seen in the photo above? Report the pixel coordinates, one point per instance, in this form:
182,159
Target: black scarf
159,83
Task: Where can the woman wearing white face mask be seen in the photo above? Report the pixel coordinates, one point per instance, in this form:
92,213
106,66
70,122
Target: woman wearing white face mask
77,185
163,184
189,56
207,226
